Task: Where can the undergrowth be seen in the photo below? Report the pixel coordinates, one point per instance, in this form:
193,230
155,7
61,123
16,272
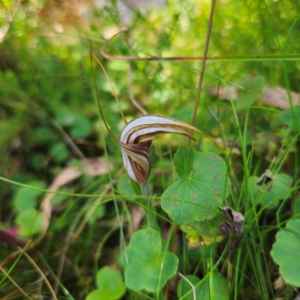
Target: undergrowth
220,219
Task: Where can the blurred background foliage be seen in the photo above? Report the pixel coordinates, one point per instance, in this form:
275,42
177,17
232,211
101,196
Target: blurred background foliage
48,110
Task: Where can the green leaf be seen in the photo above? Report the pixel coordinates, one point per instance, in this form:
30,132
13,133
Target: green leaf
64,116
205,232
197,197
147,266
192,201
110,285
184,289
125,186
59,152
286,252
251,91
269,195
82,127
37,161
296,207
288,118
203,289
26,198
30,222
42,135
185,114
183,161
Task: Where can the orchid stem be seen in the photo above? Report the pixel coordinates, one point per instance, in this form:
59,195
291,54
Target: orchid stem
146,189
151,219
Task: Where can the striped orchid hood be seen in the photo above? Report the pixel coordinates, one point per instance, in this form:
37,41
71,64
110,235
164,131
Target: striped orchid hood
136,139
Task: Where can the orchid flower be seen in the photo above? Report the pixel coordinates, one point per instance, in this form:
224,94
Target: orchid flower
136,141
136,137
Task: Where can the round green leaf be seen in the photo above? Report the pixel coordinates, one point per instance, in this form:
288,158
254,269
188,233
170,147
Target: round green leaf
81,127
59,151
26,198
64,116
110,285
201,189
286,252
30,222
146,265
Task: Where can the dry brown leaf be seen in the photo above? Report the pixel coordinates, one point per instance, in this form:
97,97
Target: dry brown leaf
138,213
222,92
274,96
91,166
278,283
277,96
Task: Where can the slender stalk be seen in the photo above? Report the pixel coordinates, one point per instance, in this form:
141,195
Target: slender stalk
212,9
145,189
151,217
15,284
223,58
192,286
42,274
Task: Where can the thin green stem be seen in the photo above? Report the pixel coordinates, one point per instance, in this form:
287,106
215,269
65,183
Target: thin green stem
151,216
146,190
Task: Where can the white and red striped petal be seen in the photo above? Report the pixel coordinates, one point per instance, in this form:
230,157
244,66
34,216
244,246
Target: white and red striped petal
136,141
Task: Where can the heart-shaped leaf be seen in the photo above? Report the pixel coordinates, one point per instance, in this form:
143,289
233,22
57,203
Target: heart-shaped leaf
286,252
147,266
30,222
196,196
193,200
110,285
